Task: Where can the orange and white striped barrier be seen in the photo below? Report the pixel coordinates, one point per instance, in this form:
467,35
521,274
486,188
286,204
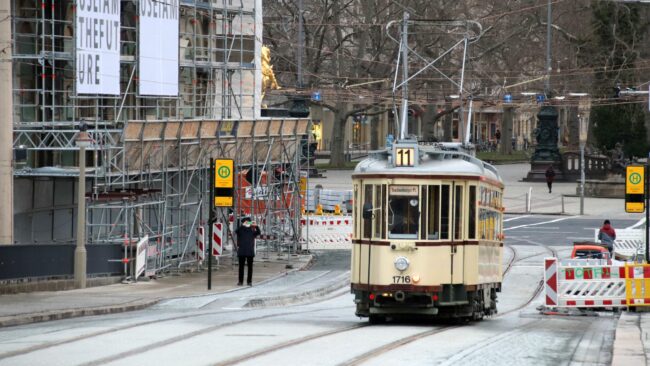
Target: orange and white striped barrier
326,232
590,284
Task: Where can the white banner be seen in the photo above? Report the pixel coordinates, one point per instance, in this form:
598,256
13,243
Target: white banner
159,47
98,47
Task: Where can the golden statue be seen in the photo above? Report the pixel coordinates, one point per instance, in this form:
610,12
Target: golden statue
268,77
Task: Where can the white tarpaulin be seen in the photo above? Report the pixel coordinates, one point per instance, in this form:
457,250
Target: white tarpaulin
159,47
98,47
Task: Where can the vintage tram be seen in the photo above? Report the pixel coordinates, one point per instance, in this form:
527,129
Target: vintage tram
428,233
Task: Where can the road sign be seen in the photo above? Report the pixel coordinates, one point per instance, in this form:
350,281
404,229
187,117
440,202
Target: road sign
224,177
635,188
224,182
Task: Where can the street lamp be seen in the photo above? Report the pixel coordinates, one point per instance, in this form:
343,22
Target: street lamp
584,126
83,140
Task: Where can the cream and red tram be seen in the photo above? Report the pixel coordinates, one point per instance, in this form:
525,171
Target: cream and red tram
428,233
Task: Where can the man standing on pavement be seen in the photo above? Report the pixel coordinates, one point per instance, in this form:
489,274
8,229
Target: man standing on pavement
550,175
246,234
607,235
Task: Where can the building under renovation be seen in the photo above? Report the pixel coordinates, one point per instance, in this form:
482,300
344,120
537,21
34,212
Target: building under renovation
163,86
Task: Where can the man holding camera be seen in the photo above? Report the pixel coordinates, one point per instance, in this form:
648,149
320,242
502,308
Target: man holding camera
246,234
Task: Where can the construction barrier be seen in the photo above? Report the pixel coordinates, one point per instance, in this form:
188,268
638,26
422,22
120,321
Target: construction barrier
200,243
326,232
584,284
637,284
629,243
217,239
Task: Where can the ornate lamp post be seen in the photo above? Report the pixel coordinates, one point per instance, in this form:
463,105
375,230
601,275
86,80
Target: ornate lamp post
584,125
83,140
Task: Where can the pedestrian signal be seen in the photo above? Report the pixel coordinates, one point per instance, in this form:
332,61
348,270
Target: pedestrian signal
635,188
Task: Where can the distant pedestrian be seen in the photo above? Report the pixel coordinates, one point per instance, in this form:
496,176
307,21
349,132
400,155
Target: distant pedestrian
246,234
607,235
550,176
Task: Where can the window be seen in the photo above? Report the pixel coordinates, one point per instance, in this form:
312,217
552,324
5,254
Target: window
433,208
379,215
458,213
356,213
423,221
367,224
444,211
403,212
471,213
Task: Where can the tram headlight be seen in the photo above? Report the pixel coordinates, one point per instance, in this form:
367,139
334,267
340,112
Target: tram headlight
401,263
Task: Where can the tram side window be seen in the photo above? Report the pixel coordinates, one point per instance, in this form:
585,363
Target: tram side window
403,212
379,213
423,213
458,213
367,224
433,209
471,213
356,211
444,211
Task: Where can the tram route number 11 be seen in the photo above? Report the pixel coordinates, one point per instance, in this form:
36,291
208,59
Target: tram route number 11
404,157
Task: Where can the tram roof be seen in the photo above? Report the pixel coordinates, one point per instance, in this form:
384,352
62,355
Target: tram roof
433,161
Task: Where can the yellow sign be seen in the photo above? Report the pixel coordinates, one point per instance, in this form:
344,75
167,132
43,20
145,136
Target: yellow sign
223,173
635,189
634,182
223,202
404,157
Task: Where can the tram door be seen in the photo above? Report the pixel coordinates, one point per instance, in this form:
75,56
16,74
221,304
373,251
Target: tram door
457,252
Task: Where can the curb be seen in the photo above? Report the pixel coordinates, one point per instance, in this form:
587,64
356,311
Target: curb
8,321
300,297
628,346
50,315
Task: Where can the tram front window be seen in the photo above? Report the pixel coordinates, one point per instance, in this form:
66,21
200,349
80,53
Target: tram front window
403,212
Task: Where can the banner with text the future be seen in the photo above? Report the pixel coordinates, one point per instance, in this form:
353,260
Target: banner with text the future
97,30
159,47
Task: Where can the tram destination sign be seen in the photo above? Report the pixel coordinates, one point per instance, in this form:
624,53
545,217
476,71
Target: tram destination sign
635,188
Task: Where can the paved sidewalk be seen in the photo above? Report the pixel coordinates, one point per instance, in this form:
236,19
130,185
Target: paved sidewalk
33,307
631,345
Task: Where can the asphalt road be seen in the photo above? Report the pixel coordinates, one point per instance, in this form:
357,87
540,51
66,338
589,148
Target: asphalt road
324,331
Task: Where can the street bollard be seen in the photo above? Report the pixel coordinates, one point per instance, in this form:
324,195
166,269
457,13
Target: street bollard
563,204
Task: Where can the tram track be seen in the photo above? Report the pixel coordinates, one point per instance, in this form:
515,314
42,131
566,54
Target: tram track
203,313
376,352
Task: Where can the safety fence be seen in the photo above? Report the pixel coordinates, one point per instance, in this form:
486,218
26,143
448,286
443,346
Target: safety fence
326,232
595,284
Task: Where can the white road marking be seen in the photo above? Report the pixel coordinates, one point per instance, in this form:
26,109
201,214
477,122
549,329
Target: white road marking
231,308
540,223
639,223
516,218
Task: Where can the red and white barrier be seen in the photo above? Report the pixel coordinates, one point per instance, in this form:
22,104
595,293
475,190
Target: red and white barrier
217,239
327,232
200,242
591,284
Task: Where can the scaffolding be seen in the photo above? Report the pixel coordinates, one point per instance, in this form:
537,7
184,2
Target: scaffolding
148,166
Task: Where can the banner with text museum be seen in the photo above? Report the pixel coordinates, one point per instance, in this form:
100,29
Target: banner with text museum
98,47
158,65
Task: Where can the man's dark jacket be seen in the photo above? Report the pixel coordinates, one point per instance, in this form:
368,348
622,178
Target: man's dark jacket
246,240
